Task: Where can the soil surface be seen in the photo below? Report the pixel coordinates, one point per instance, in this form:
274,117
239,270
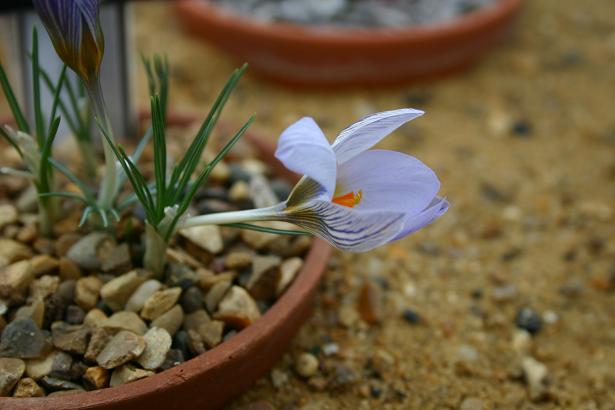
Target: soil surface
524,145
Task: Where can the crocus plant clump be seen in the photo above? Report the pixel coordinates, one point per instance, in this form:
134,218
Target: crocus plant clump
355,197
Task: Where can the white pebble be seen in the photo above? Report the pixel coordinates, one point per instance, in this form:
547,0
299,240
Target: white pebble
330,349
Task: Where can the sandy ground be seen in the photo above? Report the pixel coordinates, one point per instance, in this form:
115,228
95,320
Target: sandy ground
524,145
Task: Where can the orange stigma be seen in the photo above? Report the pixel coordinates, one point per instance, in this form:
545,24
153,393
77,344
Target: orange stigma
350,199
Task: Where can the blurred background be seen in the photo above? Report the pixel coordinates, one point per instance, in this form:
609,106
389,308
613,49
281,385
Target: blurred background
505,302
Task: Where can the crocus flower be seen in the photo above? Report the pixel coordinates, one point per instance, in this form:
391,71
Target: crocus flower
355,198
74,29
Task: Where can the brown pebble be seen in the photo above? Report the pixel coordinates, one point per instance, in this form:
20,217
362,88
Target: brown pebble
95,378
211,333
95,318
65,242
288,271
602,283
170,321
44,264
37,368
117,291
125,320
70,338
43,287
306,365
160,302
85,252
238,260
215,295
66,291
206,237
8,215
195,319
11,371
137,300
257,240
43,246
128,373
183,258
195,342
237,309
122,348
116,259
18,275
370,303
265,277
100,338
35,311
87,291
206,278
12,251
157,344
28,387
27,234
68,269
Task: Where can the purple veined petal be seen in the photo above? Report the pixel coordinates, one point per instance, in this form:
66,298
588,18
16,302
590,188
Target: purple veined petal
346,228
74,29
367,132
413,223
90,11
59,20
304,149
388,180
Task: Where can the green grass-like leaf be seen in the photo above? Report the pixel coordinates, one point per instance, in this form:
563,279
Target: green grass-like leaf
88,195
70,195
183,171
56,99
160,155
185,203
39,120
8,138
158,70
20,119
71,112
45,178
134,176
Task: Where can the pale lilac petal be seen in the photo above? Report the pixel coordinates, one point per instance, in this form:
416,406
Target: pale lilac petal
346,228
304,149
366,133
388,180
413,223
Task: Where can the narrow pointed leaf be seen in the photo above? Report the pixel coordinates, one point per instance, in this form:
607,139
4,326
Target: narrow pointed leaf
20,119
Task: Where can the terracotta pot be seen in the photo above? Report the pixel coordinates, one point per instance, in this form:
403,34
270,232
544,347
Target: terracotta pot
301,55
222,373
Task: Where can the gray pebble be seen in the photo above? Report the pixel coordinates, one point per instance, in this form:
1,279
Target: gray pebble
23,339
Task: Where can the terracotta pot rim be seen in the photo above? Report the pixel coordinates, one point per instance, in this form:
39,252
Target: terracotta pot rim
333,35
237,348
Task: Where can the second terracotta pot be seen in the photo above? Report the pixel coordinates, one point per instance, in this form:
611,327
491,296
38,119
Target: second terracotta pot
333,57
